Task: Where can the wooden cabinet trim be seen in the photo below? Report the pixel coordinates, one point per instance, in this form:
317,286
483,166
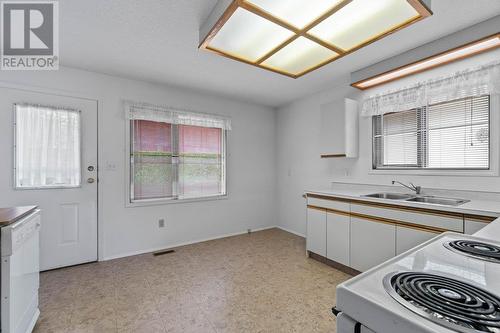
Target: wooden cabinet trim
478,218
376,219
332,155
419,228
410,209
317,208
326,197
329,210
339,212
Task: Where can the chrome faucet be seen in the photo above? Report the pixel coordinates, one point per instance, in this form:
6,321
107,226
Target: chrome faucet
411,187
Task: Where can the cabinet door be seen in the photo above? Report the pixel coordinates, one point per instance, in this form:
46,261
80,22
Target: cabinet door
337,237
407,238
316,231
473,226
372,243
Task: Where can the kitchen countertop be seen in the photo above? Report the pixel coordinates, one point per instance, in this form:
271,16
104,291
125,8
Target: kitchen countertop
473,207
491,231
13,214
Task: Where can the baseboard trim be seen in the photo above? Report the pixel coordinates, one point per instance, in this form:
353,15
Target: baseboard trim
291,231
161,248
334,264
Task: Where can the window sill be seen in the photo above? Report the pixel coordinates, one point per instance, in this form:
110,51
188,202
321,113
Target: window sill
451,173
162,202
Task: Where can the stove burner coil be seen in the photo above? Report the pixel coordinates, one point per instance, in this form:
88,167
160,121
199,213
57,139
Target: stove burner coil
475,249
446,301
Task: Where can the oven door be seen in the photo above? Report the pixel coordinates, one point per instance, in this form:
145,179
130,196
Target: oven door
346,324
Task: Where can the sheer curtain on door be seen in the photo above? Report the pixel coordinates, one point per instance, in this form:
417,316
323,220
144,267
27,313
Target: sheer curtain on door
47,147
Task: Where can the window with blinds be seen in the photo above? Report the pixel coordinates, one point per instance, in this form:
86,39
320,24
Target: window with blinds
448,135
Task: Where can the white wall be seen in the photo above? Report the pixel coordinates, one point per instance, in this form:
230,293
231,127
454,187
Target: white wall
299,140
251,171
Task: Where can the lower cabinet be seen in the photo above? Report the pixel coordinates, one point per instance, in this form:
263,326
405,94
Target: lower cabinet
372,242
316,231
362,236
337,235
407,238
473,226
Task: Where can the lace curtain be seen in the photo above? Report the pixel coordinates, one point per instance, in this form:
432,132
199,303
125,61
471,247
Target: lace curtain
144,111
467,83
47,146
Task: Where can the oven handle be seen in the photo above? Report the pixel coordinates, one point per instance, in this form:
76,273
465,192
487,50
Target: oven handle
335,311
357,326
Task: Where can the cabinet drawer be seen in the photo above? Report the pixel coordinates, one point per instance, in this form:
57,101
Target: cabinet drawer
330,204
434,220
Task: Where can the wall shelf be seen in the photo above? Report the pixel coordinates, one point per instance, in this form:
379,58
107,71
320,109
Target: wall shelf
332,155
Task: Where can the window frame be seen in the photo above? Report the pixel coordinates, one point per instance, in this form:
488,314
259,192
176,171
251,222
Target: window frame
170,200
493,170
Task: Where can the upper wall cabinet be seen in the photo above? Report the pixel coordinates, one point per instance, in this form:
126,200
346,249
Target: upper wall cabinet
339,129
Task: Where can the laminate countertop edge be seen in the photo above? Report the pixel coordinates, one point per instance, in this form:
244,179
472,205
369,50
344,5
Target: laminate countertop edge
473,207
13,214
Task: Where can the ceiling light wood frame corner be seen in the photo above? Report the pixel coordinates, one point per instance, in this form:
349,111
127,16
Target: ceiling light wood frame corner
225,9
470,49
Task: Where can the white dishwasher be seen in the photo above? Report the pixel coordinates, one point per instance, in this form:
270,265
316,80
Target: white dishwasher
20,268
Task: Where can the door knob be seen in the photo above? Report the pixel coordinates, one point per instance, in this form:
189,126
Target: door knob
90,168
90,180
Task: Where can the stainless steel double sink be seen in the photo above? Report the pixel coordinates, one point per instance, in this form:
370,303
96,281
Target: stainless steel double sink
418,198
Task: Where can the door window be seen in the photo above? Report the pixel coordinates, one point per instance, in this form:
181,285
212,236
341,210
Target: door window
47,147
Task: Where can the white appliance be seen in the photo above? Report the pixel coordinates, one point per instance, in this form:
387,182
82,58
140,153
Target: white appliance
20,253
448,284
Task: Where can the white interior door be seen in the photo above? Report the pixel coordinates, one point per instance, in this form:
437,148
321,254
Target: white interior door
49,158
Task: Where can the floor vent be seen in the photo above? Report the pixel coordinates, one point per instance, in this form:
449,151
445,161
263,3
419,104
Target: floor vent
160,253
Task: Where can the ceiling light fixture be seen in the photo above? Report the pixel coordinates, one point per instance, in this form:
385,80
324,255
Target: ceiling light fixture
461,52
295,37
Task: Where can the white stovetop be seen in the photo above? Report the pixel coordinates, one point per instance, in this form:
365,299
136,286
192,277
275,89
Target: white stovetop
364,298
474,206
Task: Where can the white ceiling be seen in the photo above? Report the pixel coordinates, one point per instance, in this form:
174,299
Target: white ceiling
156,40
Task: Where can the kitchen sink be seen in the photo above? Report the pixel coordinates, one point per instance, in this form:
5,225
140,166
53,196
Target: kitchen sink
439,201
414,198
391,196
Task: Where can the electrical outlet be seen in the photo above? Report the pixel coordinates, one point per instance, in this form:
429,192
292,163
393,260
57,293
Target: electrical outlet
161,223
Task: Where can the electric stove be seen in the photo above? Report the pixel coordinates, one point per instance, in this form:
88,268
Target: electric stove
448,284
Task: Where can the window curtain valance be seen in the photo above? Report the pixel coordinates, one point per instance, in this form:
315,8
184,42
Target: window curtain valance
143,111
473,82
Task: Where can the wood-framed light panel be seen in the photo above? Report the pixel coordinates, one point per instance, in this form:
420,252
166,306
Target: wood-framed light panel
300,36
490,43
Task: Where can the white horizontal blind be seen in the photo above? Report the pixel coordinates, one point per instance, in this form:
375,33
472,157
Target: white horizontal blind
458,134
396,139
448,135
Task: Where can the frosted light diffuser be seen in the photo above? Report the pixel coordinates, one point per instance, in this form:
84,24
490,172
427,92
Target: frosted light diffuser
458,53
294,37
249,36
362,20
298,13
299,56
